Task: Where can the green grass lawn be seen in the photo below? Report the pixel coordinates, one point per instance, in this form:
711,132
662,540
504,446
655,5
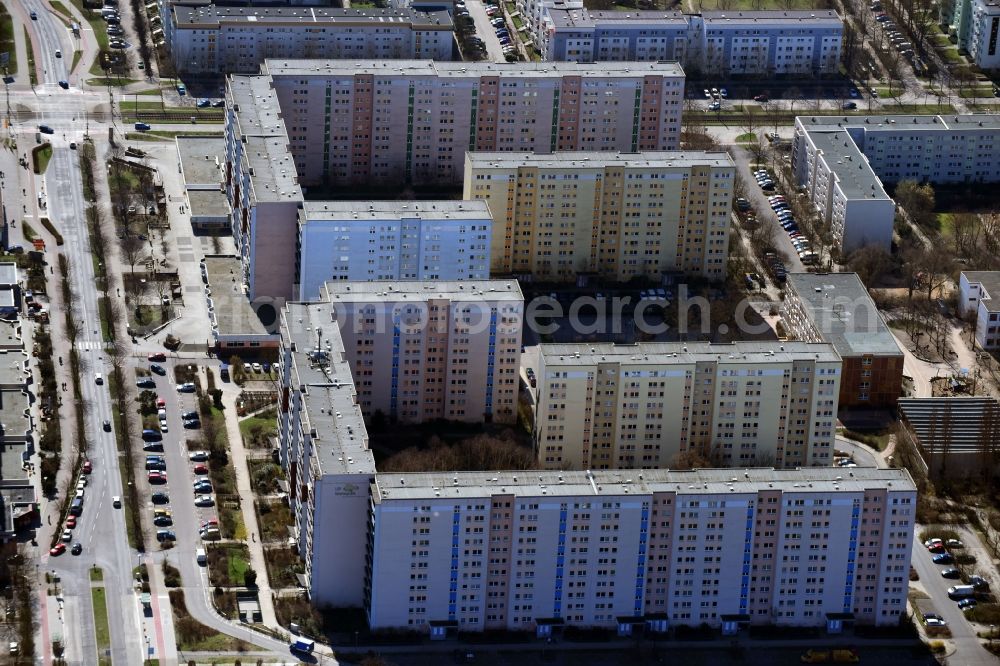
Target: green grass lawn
42,157
96,574
104,81
31,59
7,39
746,137
950,55
256,429
101,619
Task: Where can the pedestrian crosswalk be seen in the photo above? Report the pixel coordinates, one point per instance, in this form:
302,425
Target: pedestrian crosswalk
87,345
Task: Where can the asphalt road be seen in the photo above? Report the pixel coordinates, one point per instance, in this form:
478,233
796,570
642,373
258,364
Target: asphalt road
758,199
101,530
968,651
485,30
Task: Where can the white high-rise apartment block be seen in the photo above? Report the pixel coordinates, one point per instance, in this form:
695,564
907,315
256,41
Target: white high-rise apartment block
618,215
606,406
535,549
843,160
713,43
392,240
425,350
212,39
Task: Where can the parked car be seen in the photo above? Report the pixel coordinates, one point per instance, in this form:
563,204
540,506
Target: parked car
45,129
204,500
943,558
187,387
951,572
157,357
165,535
192,425
57,550
158,370
160,498
849,106
954,543
198,456
967,604
203,103
156,477
77,548
163,521
200,469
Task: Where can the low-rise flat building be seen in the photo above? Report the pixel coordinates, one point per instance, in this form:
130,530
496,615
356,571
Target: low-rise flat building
426,350
607,406
979,298
957,436
713,43
618,215
237,326
392,240
201,160
211,38
836,308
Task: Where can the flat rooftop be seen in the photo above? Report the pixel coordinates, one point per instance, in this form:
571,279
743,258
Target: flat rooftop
855,176
595,159
537,483
7,299
420,290
583,18
12,368
845,315
898,123
201,159
332,415
15,421
214,15
8,273
669,353
814,18
466,70
208,203
274,178
9,338
255,104
232,310
990,281
394,210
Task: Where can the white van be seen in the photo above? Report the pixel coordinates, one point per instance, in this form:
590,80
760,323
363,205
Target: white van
200,556
98,378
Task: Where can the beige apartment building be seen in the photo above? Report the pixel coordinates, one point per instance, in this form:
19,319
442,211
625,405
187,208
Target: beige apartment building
607,406
388,122
615,214
423,350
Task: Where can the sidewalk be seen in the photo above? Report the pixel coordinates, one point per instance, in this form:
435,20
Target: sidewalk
238,455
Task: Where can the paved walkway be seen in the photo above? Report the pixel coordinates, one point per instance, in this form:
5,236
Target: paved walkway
238,455
22,77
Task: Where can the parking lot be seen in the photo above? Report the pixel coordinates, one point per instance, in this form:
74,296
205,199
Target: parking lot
185,511
963,633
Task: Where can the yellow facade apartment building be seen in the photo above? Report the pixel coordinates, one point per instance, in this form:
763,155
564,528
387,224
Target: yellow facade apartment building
616,215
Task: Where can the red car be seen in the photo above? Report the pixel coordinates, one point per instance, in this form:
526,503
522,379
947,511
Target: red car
157,357
161,403
71,523
200,469
57,550
157,477
87,467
